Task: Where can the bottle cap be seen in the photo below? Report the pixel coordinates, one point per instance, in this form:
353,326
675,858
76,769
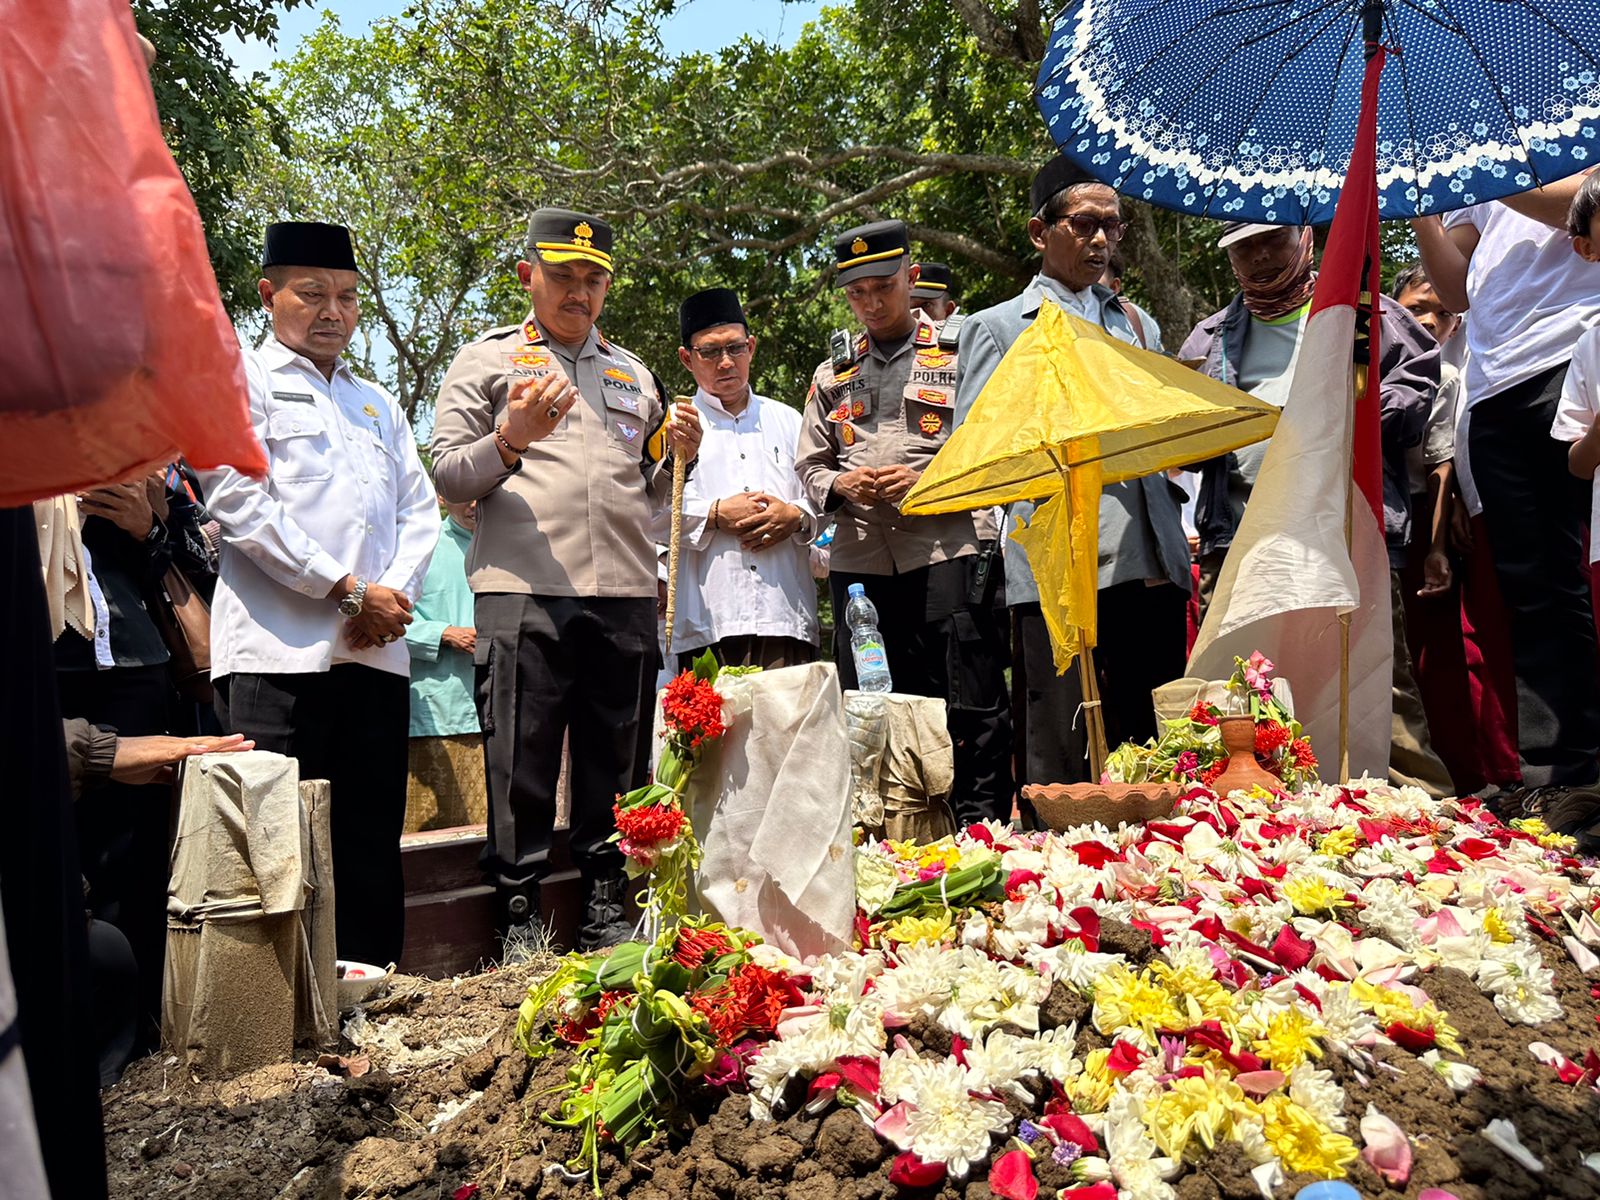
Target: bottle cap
1328,1189
856,589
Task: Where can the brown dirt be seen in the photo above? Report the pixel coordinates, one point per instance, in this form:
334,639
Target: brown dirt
295,1132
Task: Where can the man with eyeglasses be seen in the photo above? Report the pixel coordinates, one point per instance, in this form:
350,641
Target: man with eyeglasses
1144,556
745,590
879,408
563,439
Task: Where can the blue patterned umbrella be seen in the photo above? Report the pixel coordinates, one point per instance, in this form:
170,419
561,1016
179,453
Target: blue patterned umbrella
1246,109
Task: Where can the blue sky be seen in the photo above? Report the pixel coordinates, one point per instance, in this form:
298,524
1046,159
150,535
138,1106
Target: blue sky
700,25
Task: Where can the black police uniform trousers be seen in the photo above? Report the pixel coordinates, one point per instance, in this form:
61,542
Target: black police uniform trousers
1141,646
46,930
1535,511
350,726
547,666
940,643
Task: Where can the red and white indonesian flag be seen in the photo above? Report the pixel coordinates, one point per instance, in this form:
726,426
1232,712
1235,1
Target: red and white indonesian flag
1288,576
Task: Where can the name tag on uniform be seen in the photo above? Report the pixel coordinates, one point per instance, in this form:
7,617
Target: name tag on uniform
298,397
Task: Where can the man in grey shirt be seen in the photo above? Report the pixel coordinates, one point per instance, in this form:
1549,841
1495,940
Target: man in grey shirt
1144,556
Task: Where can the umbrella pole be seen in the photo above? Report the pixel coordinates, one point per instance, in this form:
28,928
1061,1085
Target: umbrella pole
1093,714
680,471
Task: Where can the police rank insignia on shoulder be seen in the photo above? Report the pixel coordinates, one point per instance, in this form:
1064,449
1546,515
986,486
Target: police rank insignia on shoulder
847,434
926,335
930,424
530,332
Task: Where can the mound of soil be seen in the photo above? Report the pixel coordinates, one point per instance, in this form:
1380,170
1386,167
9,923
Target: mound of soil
449,1104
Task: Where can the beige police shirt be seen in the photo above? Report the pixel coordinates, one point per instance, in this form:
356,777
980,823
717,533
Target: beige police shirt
574,516
893,405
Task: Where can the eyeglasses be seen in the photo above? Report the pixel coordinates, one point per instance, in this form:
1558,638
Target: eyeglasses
713,354
1083,226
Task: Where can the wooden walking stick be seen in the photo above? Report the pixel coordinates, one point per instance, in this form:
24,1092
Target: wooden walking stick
680,471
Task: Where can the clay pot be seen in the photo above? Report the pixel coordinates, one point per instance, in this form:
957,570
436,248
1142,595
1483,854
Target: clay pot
1242,771
1065,805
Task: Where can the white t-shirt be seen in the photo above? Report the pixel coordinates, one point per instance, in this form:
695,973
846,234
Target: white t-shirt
1580,404
1531,297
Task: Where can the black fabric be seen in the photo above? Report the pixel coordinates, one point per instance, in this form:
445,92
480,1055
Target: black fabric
1060,172
564,227
116,999
125,567
123,830
940,644
348,725
934,279
770,653
1535,511
707,309
40,887
1142,631
308,244
549,666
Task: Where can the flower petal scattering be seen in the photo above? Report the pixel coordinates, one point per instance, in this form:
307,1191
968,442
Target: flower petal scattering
1091,1013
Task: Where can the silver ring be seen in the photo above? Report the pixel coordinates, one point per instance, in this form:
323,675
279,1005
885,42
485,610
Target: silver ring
552,412
766,537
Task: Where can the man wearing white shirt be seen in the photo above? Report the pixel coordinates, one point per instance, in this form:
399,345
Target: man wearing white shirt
746,554
319,564
1510,266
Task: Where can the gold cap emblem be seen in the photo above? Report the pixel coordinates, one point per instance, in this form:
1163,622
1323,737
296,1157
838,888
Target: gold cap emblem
582,234
859,246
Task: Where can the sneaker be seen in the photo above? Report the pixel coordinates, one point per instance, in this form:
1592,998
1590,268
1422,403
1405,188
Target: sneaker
1575,811
610,916
516,906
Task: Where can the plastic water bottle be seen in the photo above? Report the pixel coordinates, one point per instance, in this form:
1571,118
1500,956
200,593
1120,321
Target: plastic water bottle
866,643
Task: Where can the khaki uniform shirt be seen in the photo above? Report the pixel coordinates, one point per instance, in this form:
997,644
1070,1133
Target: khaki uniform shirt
574,516
891,406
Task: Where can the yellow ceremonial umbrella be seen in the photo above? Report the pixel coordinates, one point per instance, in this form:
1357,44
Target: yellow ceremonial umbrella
1069,409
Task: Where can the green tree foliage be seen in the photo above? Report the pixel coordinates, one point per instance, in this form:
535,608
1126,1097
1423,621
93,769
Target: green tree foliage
215,122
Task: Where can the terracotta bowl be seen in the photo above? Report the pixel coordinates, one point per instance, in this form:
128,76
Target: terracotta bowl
1065,805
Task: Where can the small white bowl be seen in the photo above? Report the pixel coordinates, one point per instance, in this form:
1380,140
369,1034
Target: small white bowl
360,982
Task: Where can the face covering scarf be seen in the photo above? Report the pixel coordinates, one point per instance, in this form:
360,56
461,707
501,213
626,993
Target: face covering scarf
1286,292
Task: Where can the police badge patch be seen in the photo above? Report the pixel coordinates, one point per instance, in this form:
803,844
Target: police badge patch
931,424
847,434
630,433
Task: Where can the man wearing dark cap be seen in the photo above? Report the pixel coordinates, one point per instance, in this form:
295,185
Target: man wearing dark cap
935,291
745,590
1144,556
563,439
320,562
879,408
1252,344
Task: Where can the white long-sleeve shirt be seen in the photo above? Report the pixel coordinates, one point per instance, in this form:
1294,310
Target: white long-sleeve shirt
724,590
345,494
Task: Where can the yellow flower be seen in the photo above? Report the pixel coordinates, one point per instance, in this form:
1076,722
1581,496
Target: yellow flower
939,856
1195,992
1392,1007
1310,895
1092,1089
1199,1107
1302,1142
1531,825
1123,999
1339,843
1291,1038
1495,926
920,931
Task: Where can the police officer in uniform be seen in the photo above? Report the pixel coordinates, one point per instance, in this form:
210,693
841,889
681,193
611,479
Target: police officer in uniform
563,439
879,408
935,291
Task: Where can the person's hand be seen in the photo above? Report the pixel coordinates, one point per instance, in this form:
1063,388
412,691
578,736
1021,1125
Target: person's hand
733,510
155,488
537,406
385,613
151,759
125,505
1437,577
775,522
1194,545
460,638
859,486
894,482
683,429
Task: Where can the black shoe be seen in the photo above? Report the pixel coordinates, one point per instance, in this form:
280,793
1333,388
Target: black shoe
1574,811
516,906
610,915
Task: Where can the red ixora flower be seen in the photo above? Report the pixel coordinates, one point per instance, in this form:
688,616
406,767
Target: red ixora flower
1271,736
693,707
649,824
696,947
1201,714
1210,774
1300,751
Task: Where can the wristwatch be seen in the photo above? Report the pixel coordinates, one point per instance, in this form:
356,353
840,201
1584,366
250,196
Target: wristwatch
350,606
